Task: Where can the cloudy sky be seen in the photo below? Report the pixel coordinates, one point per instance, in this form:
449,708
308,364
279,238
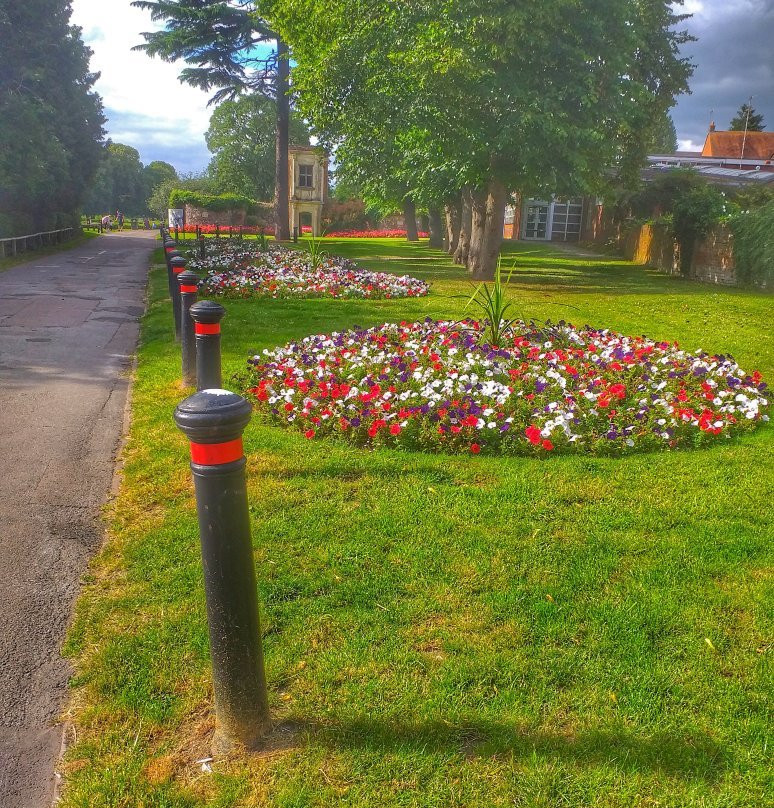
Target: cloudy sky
149,109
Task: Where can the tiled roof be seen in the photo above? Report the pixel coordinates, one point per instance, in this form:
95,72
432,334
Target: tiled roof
757,145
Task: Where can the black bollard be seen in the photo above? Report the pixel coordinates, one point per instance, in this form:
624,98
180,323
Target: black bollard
213,421
188,290
168,250
295,235
207,315
177,263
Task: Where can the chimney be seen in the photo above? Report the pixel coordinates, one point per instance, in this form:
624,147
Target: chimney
712,126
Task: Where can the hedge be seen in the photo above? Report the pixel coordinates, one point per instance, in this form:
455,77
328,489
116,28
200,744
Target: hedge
179,198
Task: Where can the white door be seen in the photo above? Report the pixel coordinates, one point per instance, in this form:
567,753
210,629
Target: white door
536,221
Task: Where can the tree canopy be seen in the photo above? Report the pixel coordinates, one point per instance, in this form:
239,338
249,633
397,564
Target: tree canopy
118,184
157,172
223,42
747,118
663,136
242,139
50,118
437,95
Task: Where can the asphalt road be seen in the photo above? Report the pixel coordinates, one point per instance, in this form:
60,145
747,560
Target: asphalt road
68,328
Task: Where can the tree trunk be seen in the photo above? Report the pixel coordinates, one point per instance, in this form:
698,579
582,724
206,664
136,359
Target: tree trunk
410,218
452,213
466,221
487,230
436,228
281,179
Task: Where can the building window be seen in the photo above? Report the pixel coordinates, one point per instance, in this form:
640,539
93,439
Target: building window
306,176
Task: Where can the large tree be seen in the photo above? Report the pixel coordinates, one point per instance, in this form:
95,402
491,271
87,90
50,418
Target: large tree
496,96
122,183
50,118
242,138
157,172
747,119
663,138
224,43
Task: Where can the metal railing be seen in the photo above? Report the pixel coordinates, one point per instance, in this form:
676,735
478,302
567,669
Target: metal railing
34,241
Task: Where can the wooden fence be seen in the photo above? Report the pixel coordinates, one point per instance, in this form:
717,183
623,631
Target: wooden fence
34,241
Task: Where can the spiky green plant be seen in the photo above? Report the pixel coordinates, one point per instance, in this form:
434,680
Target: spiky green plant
494,306
317,255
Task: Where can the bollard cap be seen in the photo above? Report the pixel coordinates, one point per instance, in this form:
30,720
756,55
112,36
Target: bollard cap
177,261
207,311
213,416
188,278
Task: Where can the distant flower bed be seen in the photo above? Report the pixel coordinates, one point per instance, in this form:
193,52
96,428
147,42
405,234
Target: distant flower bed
371,234
434,386
243,269
268,230
227,230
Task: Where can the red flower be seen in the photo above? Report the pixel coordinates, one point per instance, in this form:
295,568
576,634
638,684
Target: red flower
533,434
395,429
288,407
617,390
475,448
309,434
547,445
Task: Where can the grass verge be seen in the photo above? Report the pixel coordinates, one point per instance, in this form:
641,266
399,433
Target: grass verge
444,631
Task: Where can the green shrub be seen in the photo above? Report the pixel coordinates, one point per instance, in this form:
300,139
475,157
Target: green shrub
754,245
178,198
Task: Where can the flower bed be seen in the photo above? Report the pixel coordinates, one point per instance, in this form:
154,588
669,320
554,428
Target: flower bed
371,234
432,385
226,230
243,269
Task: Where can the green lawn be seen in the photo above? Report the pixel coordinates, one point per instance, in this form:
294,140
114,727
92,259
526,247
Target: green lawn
445,631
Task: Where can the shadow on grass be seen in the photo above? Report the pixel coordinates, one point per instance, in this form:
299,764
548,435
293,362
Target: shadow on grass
685,754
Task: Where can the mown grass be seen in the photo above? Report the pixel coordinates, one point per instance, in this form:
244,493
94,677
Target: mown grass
445,631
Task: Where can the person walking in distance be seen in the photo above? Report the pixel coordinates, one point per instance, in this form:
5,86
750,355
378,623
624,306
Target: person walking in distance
106,222
120,219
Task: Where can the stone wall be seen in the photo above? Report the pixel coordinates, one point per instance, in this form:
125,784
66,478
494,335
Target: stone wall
713,258
652,244
233,217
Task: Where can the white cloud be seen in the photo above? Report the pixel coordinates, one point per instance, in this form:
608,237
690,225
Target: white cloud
146,105
689,145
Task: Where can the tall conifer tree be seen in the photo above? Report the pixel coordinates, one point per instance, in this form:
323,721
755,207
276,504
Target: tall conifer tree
221,41
747,118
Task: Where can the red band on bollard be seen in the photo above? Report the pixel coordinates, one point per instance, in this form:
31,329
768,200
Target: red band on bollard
189,288
207,328
178,270
216,454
